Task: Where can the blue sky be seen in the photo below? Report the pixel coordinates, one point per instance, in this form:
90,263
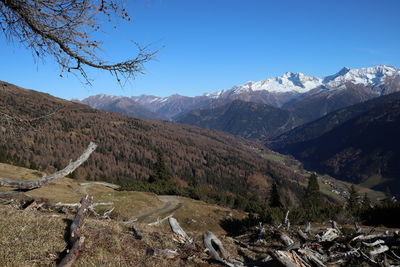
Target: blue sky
209,45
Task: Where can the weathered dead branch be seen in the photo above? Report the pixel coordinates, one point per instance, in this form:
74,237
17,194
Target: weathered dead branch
332,247
216,250
289,259
329,235
76,239
286,221
286,239
177,229
28,185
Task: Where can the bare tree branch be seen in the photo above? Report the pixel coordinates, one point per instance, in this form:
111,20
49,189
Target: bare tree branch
27,185
76,239
63,28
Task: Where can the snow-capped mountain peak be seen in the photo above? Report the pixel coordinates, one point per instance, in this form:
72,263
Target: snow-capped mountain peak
288,82
302,83
341,72
370,76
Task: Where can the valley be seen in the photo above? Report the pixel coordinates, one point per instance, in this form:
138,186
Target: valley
146,173
290,112
199,133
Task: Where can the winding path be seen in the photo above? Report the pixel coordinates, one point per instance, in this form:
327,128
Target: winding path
172,203
84,186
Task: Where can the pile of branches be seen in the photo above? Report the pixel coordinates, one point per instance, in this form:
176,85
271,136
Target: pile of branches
290,246
333,246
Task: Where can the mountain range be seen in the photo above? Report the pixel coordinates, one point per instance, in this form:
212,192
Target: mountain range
342,124
308,96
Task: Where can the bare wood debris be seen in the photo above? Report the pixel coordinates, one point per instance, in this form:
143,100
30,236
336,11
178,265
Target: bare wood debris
76,238
331,247
177,229
216,249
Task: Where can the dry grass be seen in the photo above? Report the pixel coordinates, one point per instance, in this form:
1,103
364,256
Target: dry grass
28,240
33,238
197,216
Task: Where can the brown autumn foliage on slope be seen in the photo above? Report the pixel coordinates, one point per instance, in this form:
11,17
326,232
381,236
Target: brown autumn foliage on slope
40,131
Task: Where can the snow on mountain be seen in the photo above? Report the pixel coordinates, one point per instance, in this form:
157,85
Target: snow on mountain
277,91
302,83
341,72
370,76
298,82
214,94
148,99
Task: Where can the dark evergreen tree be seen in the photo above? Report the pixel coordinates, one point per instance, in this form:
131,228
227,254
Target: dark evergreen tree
160,171
275,200
366,201
313,196
353,200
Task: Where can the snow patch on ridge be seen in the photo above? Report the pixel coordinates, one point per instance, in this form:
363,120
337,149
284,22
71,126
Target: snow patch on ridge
302,83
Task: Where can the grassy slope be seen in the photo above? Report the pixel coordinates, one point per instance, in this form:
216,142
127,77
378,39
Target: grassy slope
34,238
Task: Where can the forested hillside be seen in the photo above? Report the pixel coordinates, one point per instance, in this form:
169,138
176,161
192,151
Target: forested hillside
43,132
244,119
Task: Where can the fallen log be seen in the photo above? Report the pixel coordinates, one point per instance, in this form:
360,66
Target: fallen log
177,229
374,244
378,250
286,239
313,257
76,239
344,255
32,184
329,235
215,249
285,258
369,237
92,206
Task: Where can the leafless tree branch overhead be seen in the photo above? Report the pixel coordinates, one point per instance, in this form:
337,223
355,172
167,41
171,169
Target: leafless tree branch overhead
62,29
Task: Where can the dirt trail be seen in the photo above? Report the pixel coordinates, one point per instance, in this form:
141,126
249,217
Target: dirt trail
85,186
172,203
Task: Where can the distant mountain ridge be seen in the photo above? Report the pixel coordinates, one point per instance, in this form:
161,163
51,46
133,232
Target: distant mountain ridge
119,104
245,119
283,91
359,143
